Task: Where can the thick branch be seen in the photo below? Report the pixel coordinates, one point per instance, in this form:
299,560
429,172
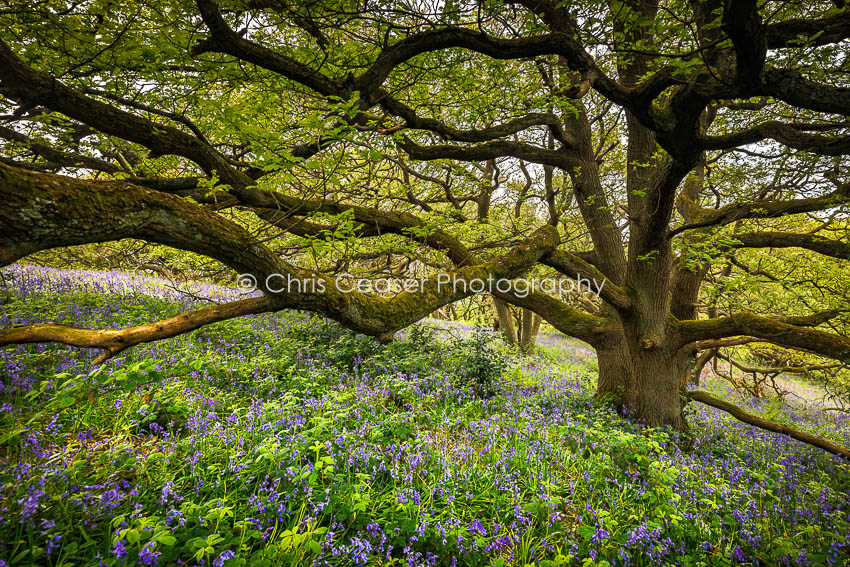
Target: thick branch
798,32
819,244
742,23
572,266
790,135
486,151
412,120
569,320
592,329
792,87
113,341
45,211
765,209
790,332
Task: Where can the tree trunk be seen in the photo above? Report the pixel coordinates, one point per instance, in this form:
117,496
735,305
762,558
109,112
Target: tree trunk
654,390
528,330
643,379
644,383
506,321
615,371
535,326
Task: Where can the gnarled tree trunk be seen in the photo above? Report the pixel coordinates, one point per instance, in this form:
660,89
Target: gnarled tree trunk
643,380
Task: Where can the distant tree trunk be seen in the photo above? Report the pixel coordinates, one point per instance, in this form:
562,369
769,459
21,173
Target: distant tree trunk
452,312
522,332
506,321
535,326
530,324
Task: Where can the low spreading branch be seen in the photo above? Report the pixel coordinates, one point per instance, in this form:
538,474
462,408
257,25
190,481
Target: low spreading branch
746,417
45,211
113,341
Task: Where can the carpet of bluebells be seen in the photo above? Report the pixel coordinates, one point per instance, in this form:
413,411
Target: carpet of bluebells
282,439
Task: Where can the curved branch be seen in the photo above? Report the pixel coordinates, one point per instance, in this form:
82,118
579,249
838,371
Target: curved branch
573,266
714,344
792,87
60,158
44,211
145,108
23,83
569,320
764,210
590,328
789,332
485,151
278,209
790,135
638,100
113,341
300,227
819,244
593,329
786,369
760,422
413,120
225,40
800,32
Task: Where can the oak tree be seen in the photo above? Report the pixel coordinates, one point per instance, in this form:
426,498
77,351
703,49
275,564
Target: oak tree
663,147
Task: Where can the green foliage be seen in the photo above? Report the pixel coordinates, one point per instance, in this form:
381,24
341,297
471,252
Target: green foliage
481,359
337,345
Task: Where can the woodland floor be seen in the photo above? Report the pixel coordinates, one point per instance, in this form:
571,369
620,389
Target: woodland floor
282,439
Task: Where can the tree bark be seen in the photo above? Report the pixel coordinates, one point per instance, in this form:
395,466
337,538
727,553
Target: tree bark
653,391
643,380
528,334
506,322
615,371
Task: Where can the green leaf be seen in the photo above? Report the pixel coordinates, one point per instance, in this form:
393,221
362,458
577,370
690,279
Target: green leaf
131,535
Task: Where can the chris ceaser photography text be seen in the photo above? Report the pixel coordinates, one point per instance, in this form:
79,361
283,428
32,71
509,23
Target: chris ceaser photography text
348,283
